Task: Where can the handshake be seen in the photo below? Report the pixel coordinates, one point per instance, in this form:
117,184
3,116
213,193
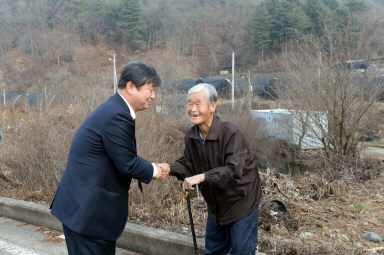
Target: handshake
163,171
189,182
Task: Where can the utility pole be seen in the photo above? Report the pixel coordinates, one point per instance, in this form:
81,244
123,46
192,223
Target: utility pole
114,73
233,81
45,95
249,91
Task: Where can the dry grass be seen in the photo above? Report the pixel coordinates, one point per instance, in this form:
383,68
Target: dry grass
375,123
332,215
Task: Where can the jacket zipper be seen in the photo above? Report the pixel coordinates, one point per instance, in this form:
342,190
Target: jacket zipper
213,193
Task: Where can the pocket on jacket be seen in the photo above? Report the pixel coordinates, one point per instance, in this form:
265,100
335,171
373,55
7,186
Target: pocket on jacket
109,205
66,203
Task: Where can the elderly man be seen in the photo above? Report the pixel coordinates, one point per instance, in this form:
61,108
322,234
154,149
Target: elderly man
92,198
217,158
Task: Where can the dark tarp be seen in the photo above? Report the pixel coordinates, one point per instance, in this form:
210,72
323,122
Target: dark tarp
32,99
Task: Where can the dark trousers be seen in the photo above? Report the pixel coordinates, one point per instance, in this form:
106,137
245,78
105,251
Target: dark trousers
238,238
78,244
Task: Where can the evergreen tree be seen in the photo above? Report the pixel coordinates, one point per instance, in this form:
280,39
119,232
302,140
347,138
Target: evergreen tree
331,4
111,16
294,20
277,21
317,13
275,10
129,23
341,19
337,18
96,9
82,8
261,28
356,7
90,17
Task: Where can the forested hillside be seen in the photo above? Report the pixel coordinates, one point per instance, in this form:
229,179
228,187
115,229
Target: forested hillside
183,37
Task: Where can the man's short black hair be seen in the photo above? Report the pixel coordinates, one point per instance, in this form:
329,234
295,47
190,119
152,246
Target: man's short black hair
139,74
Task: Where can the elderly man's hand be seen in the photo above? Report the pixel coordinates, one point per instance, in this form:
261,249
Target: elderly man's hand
190,181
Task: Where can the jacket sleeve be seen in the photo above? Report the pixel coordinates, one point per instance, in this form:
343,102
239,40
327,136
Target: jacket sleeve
236,154
183,167
119,142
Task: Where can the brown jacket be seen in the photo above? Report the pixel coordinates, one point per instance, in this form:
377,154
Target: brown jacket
232,186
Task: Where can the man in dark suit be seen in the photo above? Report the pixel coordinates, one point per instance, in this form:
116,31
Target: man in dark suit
92,198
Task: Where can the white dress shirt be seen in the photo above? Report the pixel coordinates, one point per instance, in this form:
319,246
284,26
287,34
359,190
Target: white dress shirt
133,115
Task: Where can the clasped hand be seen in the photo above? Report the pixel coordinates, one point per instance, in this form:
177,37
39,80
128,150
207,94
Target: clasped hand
163,172
163,169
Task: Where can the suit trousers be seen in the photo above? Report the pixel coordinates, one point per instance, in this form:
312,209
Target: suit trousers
238,238
78,244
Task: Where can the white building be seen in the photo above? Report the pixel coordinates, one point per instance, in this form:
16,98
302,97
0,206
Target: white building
293,126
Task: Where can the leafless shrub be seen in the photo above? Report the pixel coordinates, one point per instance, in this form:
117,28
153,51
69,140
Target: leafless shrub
372,35
264,148
321,85
374,126
37,139
35,150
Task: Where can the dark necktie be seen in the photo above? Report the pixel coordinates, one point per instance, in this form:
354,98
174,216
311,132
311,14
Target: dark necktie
138,182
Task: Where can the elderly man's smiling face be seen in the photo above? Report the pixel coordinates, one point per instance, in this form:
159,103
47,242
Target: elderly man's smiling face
198,109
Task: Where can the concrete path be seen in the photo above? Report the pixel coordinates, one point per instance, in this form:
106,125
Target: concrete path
141,239
18,238
374,149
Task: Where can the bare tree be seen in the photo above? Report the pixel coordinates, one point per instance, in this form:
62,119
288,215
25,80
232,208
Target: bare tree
323,84
372,36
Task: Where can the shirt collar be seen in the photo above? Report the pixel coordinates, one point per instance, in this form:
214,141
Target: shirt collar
201,136
133,114
213,133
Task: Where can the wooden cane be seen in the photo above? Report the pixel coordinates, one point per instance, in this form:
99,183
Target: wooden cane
188,197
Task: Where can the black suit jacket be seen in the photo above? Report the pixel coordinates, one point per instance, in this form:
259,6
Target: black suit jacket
92,197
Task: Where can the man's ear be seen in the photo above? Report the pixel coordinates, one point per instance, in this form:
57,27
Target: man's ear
212,107
130,86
